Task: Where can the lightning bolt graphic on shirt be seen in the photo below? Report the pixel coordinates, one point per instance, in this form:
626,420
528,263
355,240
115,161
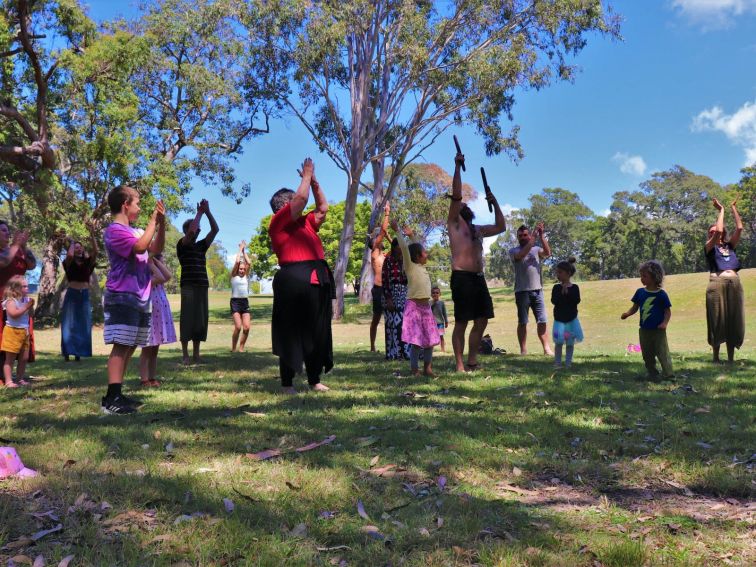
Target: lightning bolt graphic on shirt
646,308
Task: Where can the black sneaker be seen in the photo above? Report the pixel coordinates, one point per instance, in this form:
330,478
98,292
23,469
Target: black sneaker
117,406
133,402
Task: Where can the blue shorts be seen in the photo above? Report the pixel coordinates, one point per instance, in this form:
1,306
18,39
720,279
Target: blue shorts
530,300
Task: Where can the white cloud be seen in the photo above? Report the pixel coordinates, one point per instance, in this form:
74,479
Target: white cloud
605,213
479,206
739,127
714,13
632,165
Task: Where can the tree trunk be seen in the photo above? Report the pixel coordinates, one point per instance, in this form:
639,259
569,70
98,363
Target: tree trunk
95,299
345,245
47,310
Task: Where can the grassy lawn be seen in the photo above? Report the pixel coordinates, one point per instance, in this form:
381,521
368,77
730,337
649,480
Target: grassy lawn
513,465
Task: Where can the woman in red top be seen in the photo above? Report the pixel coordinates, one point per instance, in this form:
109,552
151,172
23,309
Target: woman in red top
15,259
303,287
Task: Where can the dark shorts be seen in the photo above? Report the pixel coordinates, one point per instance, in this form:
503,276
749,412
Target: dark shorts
377,298
530,300
239,305
470,295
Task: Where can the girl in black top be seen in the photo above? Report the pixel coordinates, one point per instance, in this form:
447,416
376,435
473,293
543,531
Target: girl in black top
76,314
566,329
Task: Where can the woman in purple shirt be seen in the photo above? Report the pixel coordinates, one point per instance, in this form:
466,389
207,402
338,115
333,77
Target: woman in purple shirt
725,311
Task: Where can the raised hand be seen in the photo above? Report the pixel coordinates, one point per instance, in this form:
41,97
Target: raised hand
459,159
308,168
21,237
159,213
242,245
394,225
717,204
734,202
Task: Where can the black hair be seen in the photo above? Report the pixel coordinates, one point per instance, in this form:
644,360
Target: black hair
280,198
415,250
121,195
186,225
567,265
394,243
434,288
523,227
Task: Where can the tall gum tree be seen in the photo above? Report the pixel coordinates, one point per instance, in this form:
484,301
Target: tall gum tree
377,82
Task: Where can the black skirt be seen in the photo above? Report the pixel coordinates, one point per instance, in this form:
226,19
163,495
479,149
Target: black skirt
302,313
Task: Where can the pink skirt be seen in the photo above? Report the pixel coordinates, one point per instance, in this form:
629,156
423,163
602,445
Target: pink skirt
419,325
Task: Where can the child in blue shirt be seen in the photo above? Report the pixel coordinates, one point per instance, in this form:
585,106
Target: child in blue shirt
655,313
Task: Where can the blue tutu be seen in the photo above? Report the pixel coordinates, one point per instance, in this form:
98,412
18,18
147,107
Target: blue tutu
569,333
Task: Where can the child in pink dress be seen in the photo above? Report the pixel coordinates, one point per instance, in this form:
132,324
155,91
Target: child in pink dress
162,331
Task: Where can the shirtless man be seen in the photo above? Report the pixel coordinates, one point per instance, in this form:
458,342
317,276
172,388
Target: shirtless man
472,302
376,261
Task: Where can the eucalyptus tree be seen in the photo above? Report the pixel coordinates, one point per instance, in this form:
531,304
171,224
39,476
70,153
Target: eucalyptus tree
378,81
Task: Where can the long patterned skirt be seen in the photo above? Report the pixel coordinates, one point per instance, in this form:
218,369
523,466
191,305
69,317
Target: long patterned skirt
396,349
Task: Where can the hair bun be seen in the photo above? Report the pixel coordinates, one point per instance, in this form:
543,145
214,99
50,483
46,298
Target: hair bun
572,259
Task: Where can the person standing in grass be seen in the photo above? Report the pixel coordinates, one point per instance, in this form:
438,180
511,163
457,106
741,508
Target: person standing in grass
194,282
472,301
418,324
377,258
19,307
127,291
439,313
565,297
725,309
394,281
655,313
162,331
303,287
15,259
527,259
76,314
240,298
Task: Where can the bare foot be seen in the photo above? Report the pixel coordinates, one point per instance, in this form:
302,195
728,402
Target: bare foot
523,352
429,373
11,385
319,388
241,349
473,367
416,372
23,382
185,361
548,352
290,391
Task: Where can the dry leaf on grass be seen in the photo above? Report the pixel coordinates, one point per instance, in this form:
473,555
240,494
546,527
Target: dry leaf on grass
69,463
293,486
373,532
361,510
20,559
333,548
374,460
300,530
40,534
124,521
39,561
515,489
66,560
23,541
311,446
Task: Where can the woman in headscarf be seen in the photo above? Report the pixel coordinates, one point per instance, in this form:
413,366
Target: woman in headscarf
725,311
394,300
303,287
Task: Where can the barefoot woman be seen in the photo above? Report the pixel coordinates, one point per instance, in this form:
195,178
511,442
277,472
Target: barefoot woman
725,318
303,288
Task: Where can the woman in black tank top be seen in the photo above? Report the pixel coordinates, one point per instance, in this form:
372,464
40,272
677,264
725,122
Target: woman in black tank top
76,315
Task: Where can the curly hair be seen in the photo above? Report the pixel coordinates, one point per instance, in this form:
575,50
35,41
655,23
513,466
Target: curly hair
14,288
654,269
280,198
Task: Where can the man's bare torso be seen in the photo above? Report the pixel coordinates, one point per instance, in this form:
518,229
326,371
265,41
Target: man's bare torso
376,259
467,253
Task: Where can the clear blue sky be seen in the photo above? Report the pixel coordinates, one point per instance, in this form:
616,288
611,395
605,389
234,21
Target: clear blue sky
679,88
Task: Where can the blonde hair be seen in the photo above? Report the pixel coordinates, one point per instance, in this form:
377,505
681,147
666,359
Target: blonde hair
654,269
14,288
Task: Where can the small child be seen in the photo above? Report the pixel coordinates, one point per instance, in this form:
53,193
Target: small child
565,297
19,306
126,299
162,331
439,312
654,306
418,326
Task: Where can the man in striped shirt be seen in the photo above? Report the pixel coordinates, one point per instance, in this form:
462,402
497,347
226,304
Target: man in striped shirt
194,283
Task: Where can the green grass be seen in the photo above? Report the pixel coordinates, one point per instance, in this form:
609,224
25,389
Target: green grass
541,468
